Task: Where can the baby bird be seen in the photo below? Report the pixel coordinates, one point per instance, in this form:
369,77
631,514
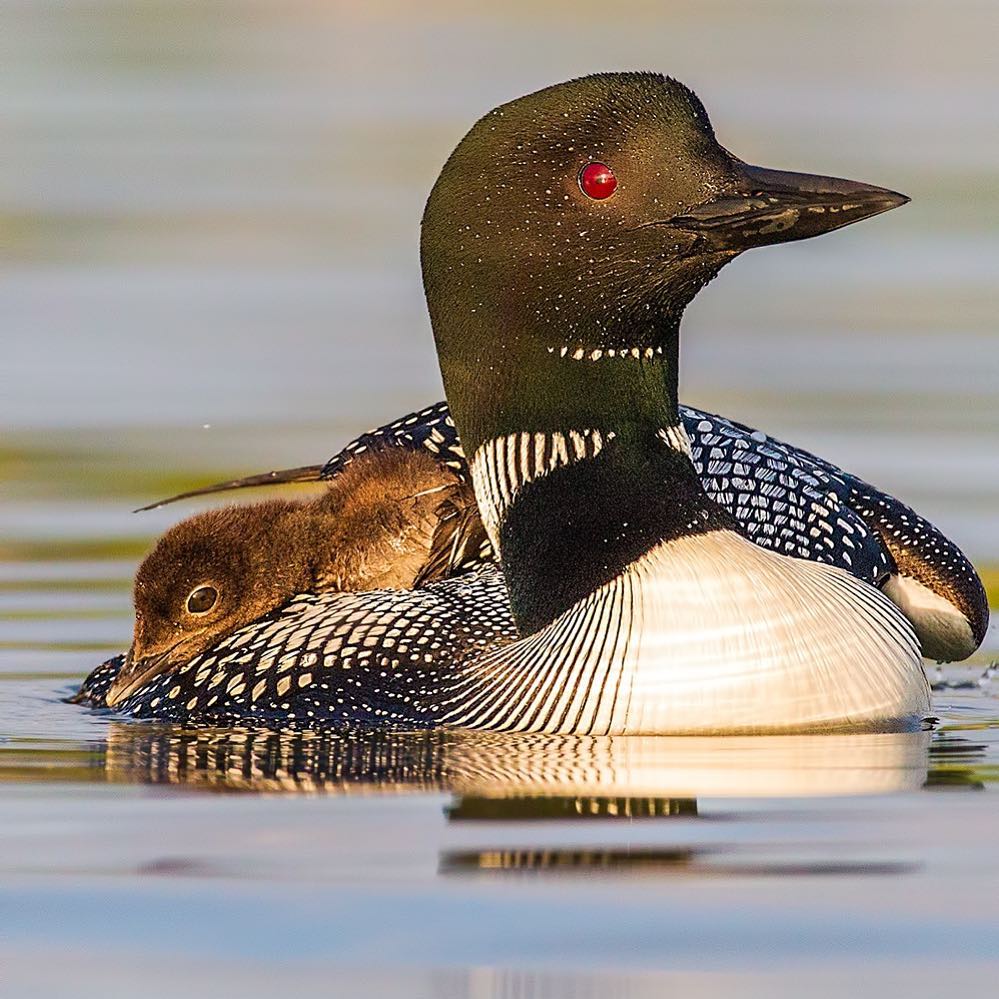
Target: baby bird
394,519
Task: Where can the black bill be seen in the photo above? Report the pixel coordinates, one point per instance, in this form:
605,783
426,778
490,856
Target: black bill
779,206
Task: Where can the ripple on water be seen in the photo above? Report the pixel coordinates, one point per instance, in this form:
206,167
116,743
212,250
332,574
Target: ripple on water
119,839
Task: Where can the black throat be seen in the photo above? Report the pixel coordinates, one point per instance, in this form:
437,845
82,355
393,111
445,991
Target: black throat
579,465
581,525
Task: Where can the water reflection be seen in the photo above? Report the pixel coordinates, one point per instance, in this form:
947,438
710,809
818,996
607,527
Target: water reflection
692,860
958,763
517,809
542,806
522,775
532,805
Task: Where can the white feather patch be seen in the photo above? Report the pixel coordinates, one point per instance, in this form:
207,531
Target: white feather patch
943,631
708,634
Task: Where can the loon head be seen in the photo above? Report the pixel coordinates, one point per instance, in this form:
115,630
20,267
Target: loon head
207,577
570,228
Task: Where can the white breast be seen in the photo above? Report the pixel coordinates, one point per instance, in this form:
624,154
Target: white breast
707,634
731,637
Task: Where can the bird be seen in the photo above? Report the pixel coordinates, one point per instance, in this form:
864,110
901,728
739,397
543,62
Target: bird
560,245
393,520
783,497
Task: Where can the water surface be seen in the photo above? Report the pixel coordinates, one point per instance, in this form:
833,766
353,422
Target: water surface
208,268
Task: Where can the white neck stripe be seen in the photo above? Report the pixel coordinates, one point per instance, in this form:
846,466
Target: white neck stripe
503,465
597,353
676,438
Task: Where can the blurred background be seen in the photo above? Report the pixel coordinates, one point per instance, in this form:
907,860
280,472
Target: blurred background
209,220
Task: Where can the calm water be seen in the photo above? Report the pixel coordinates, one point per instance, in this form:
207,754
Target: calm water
208,268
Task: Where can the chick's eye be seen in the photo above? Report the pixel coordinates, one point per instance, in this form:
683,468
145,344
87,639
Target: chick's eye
597,181
202,599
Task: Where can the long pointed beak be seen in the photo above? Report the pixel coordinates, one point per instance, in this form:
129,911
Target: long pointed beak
134,673
779,206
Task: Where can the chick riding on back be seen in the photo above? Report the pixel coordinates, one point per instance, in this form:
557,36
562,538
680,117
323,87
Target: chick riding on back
394,521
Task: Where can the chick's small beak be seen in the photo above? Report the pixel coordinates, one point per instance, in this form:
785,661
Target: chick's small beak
778,206
136,671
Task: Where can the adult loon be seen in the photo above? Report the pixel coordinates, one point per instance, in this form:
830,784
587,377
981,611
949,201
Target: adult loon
561,244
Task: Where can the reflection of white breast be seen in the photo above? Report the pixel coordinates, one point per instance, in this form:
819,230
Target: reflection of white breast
707,634
637,767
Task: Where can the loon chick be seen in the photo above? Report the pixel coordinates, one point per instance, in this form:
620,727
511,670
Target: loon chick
783,498
560,246
393,521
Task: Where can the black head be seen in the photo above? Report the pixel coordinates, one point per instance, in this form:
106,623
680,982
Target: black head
207,577
540,266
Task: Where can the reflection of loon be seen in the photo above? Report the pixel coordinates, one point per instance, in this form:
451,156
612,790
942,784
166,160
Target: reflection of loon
546,788
716,859
518,776
638,605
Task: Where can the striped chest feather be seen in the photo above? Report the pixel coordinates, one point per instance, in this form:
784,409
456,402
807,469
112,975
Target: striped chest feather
702,635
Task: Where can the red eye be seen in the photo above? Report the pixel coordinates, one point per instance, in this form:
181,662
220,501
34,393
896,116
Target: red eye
597,181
